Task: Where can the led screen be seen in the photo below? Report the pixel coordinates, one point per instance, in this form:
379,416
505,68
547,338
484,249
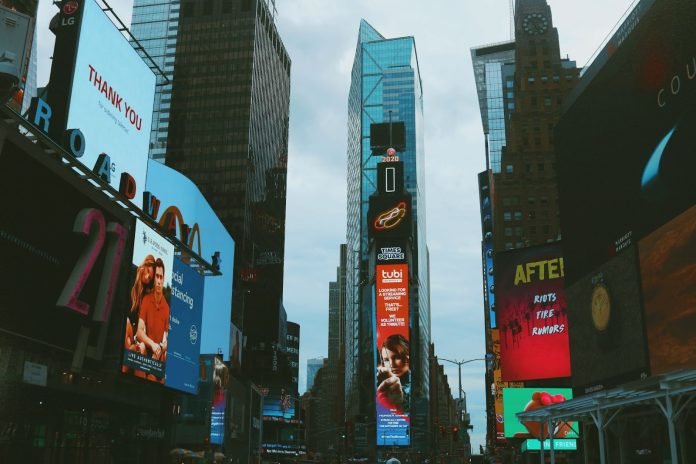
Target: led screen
181,202
220,381
668,270
146,333
625,143
499,385
516,400
278,404
392,354
532,313
111,98
606,317
558,445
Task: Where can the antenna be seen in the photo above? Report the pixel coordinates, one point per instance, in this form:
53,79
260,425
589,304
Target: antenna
512,19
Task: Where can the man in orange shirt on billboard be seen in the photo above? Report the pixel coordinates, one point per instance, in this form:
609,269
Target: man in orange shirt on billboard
153,324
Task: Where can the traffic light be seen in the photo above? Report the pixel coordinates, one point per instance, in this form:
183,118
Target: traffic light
455,433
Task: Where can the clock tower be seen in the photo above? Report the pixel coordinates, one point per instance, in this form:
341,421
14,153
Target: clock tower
526,205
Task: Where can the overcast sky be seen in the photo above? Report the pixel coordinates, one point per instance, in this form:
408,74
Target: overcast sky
320,36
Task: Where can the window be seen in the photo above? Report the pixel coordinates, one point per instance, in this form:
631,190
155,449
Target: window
518,231
540,167
508,168
507,216
518,215
508,231
532,215
528,167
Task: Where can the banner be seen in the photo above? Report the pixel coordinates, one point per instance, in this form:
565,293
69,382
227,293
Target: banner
516,400
146,337
532,313
393,372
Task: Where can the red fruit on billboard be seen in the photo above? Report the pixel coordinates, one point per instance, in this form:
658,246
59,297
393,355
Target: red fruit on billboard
536,429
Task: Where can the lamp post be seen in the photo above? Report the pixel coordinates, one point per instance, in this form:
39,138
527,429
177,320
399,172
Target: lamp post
488,358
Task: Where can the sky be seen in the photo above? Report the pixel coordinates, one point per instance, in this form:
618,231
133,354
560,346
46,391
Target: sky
320,36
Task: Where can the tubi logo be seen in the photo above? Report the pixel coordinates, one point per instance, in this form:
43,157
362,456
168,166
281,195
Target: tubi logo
394,276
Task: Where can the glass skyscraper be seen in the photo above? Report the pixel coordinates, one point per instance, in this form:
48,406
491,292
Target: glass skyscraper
385,86
495,96
154,25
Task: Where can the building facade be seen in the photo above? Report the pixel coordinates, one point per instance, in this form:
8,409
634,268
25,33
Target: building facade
313,366
155,24
385,86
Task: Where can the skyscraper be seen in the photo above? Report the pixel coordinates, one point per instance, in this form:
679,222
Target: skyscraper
385,86
155,24
229,133
313,366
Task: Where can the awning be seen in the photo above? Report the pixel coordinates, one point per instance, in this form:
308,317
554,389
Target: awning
671,392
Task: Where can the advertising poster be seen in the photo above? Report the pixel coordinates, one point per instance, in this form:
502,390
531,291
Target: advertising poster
516,400
392,354
146,337
625,143
111,99
184,328
486,209
217,412
668,270
182,203
606,316
390,216
532,313
499,385
278,404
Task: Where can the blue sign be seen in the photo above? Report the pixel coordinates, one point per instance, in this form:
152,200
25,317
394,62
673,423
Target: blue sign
185,328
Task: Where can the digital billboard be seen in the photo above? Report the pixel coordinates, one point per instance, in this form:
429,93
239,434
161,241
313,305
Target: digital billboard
625,142
392,354
184,211
606,319
278,404
390,216
64,249
184,336
486,210
516,400
146,333
532,313
111,98
499,385
570,444
668,271
220,380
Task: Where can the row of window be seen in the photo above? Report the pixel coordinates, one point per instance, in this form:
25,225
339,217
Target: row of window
519,231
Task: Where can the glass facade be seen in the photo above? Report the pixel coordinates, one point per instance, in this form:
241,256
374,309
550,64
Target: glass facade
489,62
385,85
155,24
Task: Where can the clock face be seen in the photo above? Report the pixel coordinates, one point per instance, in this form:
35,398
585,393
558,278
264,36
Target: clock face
601,307
535,23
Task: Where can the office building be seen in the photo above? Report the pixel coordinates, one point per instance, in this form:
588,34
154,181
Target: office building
155,24
385,86
313,366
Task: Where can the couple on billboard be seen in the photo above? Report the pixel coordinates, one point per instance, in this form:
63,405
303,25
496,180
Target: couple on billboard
394,374
147,323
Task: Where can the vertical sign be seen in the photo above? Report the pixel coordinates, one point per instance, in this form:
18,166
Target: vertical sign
392,355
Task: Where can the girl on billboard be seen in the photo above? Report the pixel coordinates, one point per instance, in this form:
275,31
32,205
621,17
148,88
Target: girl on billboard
394,373
143,284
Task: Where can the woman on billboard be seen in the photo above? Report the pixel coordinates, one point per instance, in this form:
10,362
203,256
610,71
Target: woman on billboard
394,374
142,285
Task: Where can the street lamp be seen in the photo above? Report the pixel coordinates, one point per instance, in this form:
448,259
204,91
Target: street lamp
488,358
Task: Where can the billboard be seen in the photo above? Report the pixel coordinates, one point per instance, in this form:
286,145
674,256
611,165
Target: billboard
392,354
570,444
532,313
184,336
111,96
516,400
486,209
220,380
668,270
625,142
278,404
498,386
146,333
184,211
606,316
